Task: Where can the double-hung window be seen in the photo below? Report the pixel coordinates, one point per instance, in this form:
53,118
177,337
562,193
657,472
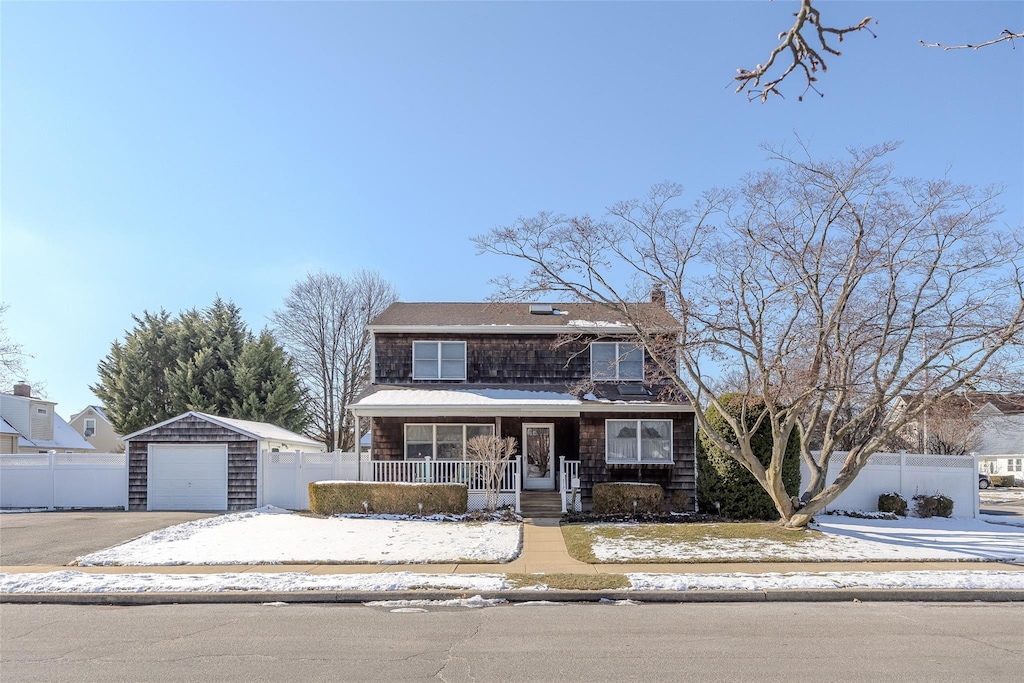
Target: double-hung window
441,441
616,361
438,360
643,441
90,426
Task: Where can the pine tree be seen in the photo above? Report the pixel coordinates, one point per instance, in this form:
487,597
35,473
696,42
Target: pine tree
267,385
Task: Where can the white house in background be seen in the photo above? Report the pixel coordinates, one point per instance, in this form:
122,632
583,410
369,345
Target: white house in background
38,426
93,425
1000,443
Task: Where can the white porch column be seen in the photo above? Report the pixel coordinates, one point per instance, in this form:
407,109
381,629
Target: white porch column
359,438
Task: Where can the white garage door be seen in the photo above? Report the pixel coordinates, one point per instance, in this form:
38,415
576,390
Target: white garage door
188,477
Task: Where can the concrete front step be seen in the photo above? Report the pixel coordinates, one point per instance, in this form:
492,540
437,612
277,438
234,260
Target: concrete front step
540,504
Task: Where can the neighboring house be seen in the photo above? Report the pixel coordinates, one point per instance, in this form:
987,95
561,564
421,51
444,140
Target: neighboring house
566,380
93,425
38,427
197,461
1000,444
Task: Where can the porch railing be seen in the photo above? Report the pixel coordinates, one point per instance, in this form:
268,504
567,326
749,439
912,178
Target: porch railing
469,472
569,472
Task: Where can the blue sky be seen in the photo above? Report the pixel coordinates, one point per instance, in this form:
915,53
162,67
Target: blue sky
158,154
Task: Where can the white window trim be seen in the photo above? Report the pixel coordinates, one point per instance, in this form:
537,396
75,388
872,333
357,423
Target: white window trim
618,355
86,427
639,447
433,443
439,364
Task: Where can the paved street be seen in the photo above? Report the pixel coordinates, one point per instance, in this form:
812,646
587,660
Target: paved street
59,537
579,642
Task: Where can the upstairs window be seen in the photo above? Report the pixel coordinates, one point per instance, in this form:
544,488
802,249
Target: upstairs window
90,426
612,361
438,360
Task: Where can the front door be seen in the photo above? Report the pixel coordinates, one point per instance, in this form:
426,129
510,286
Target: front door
539,456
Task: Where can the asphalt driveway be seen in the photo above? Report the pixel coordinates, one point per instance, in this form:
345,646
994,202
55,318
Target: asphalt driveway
28,538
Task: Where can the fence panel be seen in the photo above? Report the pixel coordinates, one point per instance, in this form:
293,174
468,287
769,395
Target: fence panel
287,475
64,480
908,474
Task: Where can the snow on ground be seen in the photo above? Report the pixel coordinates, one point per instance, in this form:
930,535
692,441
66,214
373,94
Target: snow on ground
79,582
475,601
1010,520
992,580
271,535
844,539
1001,495
11,511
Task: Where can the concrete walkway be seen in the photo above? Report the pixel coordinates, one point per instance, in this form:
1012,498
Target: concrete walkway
544,552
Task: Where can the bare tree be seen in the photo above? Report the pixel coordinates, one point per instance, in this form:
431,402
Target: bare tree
494,453
323,327
803,47
12,355
817,287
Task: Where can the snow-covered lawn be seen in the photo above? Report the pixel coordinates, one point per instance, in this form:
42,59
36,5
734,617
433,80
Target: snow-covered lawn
838,539
79,582
271,535
1001,495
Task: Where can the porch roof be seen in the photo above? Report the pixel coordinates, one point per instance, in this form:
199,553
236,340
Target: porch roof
447,400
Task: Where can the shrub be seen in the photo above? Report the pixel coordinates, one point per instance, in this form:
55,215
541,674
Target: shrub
722,480
679,502
933,506
1001,479
894,503
331,498
617,498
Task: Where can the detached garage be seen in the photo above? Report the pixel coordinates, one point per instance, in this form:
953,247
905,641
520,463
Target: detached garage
197,461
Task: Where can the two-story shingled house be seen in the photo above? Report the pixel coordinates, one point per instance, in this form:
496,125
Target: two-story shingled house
446,372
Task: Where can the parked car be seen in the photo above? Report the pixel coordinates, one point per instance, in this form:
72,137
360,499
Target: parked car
983,481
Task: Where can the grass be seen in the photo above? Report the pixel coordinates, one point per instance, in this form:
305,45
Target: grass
579,538
576,582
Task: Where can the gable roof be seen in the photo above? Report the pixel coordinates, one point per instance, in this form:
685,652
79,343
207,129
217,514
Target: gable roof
973,401
6,428
96,409
565,316
255,430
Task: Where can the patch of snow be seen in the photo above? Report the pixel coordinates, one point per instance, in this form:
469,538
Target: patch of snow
11,511
1008,520
843,539
68,581
270,536
595,323
624,603
1001,495
390,483
990,580
634,483
476,601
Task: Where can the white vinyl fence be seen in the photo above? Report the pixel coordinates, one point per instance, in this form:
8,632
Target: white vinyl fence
64,480
908,474
287,476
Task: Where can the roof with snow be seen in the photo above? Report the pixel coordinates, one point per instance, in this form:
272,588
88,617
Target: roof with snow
558,315
64,438
96,409
256,430
505,399
6,428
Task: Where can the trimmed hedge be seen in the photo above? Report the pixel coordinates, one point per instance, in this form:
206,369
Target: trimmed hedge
933,506
611,498
331,498
1001,479
722,480
894,503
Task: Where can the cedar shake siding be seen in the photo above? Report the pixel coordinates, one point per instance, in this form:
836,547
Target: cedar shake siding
490,358
679,476
242,458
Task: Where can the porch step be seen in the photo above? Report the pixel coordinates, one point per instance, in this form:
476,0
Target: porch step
540,504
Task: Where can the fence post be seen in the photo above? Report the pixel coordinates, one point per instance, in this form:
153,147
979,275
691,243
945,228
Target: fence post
974,481
903,462
519,481
52,456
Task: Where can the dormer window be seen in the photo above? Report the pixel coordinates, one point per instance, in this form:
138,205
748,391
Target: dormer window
90,427
439,360
616,361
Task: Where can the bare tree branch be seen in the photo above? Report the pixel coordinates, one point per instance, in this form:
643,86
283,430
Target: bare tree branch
1004,35
803,56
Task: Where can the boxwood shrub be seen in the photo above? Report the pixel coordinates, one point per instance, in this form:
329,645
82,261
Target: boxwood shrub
722,480
894,503
334,497
612,498
936,505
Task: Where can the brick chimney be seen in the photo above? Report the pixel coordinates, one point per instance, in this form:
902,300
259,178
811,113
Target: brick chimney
658,296
22,389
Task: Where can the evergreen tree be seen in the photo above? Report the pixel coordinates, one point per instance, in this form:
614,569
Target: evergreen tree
206,361
132,378
267,385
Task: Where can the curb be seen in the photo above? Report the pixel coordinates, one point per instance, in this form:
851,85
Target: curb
519,596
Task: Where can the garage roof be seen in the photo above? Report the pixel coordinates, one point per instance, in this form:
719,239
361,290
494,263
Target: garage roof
256,430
